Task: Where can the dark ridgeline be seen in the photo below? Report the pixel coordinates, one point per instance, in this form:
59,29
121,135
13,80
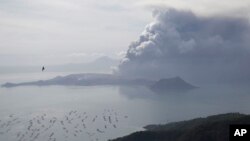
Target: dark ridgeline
212,128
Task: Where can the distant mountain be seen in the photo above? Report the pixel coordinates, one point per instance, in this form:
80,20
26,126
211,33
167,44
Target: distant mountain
171,84
212,128
100,65
84,79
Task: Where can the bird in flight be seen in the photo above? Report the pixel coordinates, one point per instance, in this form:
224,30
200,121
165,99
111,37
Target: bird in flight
43,68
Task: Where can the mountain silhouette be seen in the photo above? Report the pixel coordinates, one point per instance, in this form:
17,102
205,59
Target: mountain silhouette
171,84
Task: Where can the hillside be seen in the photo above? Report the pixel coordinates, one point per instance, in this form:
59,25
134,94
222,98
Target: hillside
212,128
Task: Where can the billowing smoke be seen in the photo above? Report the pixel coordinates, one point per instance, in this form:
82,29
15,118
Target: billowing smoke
199,49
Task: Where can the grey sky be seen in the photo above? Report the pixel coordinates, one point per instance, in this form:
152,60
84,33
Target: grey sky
63,31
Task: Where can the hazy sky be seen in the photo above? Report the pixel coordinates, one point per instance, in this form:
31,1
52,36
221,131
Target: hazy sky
47,32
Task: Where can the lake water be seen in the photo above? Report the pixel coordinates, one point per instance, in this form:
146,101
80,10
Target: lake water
98,113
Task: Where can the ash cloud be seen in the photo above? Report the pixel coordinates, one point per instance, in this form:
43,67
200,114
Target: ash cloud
199,49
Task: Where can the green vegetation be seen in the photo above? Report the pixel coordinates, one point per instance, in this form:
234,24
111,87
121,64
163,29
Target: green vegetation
212,128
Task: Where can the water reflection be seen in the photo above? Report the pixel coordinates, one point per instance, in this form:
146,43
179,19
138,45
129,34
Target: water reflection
144,92
139,104
204,101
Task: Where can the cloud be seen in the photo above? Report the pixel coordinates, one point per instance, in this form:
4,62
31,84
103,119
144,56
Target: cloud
77,55
202,7
180,43
65,26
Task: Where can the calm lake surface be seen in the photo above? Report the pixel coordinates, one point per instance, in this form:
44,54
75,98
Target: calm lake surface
98,113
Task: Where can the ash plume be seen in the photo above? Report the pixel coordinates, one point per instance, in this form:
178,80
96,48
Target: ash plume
200,49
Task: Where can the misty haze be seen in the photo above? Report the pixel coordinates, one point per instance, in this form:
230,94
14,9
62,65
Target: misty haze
98,71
